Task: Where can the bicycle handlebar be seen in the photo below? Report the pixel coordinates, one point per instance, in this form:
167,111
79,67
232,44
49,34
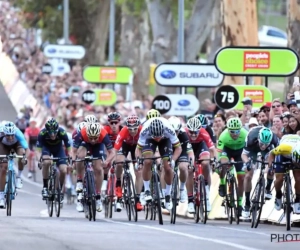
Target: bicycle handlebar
228,163
12,156
124,162
90,158
55,159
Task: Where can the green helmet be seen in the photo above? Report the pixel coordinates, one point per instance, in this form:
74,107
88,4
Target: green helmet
202,119
265,135
234,123
152,113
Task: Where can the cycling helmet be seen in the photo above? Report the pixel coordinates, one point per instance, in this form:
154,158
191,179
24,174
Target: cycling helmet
9,128
132,121
114,116
93,129
234,123
51,125
202,119
80,126
175,122
193,124
152,113
265,135
20,116
156,128
90,119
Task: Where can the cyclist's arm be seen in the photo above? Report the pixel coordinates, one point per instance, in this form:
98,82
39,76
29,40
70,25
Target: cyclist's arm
271,158
108,144
21,138
211,133
67,144
221,145
170,133
190,153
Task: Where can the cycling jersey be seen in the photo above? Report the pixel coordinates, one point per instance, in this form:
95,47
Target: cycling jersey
32,134
211,133
22,124
251,143
203,136
19,138
185,144
125,137
169,133
44,139
111,134
286,145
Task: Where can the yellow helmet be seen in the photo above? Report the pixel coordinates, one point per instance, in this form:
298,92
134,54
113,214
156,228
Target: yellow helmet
152,113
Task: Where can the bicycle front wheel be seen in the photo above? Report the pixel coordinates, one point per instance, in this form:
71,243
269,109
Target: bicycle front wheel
257,202
235,199
203,201
91,195
49,200
157,197
57,198
174,197
288,209
9,193
132,200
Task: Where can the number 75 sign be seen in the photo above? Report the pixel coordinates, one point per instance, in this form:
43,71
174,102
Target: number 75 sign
230,97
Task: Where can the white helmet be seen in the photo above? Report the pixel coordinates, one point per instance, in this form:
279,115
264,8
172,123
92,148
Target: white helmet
193,124
20,116
90,119
175,122
9,128
80,126
156,128
296,153
93,129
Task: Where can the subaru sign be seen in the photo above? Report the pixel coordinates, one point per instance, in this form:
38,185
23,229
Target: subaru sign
75,52
183,103
59,68
188,75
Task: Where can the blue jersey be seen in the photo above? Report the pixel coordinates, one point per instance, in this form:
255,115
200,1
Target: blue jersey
19,137
44,139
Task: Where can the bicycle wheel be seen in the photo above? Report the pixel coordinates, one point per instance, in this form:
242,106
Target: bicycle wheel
174,198
51,185
33,172
132,199
228,204
203,201
57,196
110,195
235,199
126,195
9,191
196,201
288,202
157,199
146,211
257,202
91,195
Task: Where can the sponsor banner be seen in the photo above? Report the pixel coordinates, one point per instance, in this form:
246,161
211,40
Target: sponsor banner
107,74
173,104
99,97
59,68
254,61
75,52
187,75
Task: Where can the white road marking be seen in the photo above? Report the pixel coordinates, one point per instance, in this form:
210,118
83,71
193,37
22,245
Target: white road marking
245,231
221,242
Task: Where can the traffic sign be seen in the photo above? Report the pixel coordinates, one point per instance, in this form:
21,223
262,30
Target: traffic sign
88,96
188,75
174,104
107,74
227,97
47,68
257,61
75,52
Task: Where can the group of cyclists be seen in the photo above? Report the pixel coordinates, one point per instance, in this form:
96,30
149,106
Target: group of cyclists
171,139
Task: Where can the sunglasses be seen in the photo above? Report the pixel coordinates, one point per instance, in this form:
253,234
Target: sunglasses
263,144
132,129
113,123
194,132
276,106
235,132
156,137
53,132
94,138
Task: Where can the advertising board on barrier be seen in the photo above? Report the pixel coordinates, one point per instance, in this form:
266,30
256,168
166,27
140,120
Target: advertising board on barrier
99,97
174,104
75,52
187,75
252,61
107,74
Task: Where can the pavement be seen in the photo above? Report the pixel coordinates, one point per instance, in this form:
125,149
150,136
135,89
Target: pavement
30,227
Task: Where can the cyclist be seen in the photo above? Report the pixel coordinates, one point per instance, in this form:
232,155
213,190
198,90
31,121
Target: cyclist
126,143
51,141
259,140
186,154
31,135
203,149
157,132
92,138
21,122
204,123
230,145
287,151
11,138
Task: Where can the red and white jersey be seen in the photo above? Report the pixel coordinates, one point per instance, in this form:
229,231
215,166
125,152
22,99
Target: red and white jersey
202,136
112,136
124,136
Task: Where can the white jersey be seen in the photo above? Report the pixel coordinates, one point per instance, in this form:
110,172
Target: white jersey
169,132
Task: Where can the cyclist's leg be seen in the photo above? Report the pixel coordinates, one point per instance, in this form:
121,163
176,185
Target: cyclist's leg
4,150
97,150
62,164
224,158
105,173
119,170
296,174
279,172
183,175
20,151
147,151
248,186
81,153
165,150
46,154
270,177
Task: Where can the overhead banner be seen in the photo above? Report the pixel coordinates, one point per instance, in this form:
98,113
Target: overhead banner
173,104
75,52
188,75
257,61
230,97
107,74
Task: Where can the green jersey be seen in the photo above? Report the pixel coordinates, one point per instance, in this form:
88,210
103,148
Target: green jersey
225,140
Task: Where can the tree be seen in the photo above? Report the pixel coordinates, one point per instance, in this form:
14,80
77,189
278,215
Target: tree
88,23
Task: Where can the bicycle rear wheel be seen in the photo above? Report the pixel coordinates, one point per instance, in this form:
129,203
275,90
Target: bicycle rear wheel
288,209
203,201
235,199
91,195
9,192
110,196
132,199
174,197
57,196
196,201
257,202
157,198
228,204
51,185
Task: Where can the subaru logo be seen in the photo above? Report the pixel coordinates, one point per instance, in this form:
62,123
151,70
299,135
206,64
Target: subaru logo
61,68
184,103
52,50
168,74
